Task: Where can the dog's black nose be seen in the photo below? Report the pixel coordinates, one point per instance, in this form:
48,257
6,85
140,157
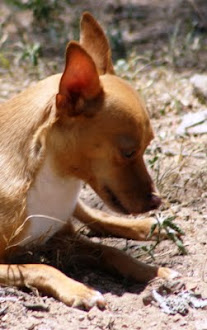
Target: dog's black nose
154,201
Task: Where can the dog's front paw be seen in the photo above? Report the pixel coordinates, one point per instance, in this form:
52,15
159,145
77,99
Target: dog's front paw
146,229
80,296
167,273
152,229
89,299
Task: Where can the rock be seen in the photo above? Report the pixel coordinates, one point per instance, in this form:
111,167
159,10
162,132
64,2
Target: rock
199,82
193,123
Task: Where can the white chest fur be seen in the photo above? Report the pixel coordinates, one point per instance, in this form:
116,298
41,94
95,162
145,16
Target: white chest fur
53,199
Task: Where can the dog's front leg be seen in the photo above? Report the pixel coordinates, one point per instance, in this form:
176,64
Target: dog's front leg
101,222
51,282
116,261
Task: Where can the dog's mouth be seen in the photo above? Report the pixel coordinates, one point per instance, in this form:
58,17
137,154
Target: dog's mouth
114,202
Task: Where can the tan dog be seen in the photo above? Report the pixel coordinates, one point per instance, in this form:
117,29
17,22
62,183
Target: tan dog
84,125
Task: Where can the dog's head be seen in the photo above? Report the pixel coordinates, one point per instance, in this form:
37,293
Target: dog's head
103,127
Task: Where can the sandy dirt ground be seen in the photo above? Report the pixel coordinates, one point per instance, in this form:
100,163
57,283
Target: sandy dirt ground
158,46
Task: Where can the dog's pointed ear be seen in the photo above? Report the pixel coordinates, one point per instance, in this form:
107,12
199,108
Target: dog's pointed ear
93,39
79,83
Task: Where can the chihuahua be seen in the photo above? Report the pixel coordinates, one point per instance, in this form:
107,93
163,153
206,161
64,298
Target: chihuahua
85,125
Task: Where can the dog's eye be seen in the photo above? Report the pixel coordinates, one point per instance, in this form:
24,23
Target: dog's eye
128,153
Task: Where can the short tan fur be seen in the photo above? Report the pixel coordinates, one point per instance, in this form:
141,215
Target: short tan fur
83,125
